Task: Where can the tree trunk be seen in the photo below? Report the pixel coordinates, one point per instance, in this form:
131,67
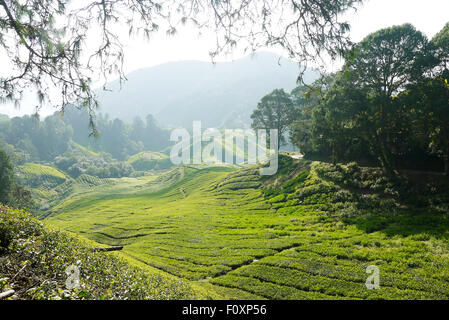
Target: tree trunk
334,154
446,165
384,156
387,166
383,141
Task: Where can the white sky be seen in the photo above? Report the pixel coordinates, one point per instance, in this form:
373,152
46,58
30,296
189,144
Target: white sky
427,16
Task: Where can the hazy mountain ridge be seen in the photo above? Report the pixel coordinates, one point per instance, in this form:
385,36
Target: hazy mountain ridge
178,93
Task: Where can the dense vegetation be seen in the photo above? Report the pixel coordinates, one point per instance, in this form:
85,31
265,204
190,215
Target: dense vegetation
11,192
64,142
116,137
34,259
387,107
44,160
28,138
307,233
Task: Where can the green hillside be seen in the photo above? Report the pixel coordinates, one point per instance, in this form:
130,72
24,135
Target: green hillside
83,150
145,161
34,259
150,160
307,158
36,174
307,233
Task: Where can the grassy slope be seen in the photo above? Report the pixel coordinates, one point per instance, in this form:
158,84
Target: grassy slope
38,169
149,160
83,150
34,259
45,182
312,239
36,174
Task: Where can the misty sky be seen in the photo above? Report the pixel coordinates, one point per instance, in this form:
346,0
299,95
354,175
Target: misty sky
427,16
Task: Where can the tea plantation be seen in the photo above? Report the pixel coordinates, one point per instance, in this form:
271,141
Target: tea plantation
307,233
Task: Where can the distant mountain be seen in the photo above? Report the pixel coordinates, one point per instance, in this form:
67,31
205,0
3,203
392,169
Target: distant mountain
220,95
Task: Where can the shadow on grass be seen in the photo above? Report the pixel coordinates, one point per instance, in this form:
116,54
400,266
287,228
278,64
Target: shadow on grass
420,223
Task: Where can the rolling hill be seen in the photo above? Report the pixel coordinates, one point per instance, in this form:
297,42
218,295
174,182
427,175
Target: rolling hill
310,232
46,253
220,95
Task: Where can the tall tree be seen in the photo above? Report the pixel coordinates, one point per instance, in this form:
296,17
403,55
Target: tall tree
138,130
306,99
431,99
340,120
441,42
274,111
384,63
7,181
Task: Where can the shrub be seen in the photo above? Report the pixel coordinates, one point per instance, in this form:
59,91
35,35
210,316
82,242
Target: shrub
39,256
7,180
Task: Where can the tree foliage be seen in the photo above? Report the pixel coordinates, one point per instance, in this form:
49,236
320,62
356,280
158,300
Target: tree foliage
29,139
6,178
388,105
10,192
430,102
274,111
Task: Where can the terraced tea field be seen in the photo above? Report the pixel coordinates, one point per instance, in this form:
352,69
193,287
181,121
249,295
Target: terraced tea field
299,235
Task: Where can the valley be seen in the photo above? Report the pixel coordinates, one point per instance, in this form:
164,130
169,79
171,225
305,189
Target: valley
220,229
224,150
